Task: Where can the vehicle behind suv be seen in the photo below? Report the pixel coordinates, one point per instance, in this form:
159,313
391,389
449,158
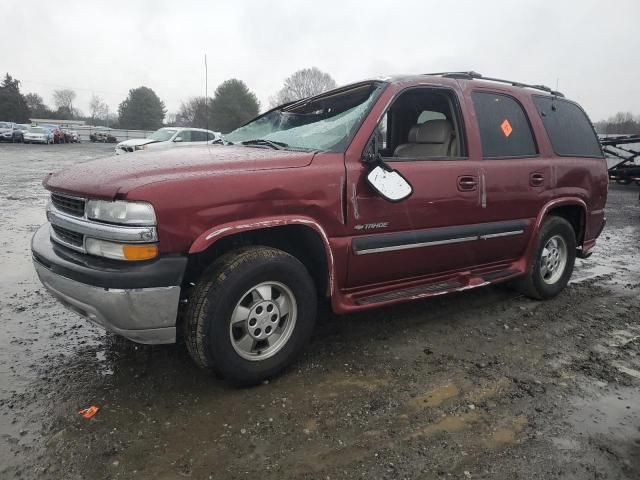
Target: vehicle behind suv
10,132
38,135
376,193
168,137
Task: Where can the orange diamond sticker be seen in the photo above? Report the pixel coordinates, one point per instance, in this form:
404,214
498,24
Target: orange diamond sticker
506,127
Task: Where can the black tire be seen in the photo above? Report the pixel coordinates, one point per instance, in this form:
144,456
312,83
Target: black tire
532,283
214,298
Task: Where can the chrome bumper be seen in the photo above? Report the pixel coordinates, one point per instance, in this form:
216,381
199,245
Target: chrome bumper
143,315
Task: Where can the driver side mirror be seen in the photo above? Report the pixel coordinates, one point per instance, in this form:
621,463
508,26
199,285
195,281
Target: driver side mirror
387,182
177,139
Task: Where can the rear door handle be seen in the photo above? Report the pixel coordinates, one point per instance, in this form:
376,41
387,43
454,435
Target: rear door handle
536,179
467,183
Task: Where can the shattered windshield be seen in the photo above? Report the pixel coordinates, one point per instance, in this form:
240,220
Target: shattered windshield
162,135
326,123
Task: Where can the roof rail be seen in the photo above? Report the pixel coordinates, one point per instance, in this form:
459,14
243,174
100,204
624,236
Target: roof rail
477,76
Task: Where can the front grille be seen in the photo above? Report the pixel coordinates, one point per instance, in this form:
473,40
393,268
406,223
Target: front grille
69,237
70,205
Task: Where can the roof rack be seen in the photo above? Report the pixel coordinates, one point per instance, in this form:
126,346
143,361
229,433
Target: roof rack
477,76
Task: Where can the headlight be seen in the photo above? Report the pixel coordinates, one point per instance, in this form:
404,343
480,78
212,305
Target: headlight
121,212
140,147
120,251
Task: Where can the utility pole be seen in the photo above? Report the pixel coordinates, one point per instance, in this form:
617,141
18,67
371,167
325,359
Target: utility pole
206,90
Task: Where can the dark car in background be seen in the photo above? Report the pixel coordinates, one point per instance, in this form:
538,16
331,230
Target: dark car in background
73,136
102,137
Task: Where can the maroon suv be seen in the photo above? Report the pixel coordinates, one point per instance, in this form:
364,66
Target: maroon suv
372,194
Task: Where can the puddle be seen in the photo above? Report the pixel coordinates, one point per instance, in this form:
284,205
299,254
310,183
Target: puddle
436,397
614,414
448,424
508,435
562,443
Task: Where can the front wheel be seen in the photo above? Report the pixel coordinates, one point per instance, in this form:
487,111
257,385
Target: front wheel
251,314
552,264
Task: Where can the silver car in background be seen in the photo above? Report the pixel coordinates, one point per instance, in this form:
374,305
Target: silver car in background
9,132
169,137
38,135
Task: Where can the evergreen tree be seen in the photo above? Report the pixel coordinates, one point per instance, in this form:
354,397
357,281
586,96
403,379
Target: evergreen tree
233,105
141,110
13,106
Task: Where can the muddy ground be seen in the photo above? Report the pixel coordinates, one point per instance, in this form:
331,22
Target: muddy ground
482,384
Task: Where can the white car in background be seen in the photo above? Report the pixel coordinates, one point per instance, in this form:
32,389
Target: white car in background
38,135
168,137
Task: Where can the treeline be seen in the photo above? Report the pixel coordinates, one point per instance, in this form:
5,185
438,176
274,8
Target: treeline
232,104
620,123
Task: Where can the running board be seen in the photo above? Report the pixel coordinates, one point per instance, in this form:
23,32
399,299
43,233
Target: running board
422,290
459,283
493,276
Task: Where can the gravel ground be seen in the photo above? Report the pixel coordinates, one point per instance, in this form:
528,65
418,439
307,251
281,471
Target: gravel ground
482,384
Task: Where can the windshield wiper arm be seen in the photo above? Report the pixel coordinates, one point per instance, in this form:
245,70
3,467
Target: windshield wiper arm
221,141
268,143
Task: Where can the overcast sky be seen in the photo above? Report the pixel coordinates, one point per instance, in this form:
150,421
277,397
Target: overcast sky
109,47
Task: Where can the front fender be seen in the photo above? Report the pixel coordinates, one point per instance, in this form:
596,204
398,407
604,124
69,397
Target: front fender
209,237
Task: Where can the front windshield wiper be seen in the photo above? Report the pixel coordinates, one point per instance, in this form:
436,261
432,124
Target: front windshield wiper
221,141
268,143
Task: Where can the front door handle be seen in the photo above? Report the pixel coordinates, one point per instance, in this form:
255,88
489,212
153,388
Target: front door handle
467,183
536,179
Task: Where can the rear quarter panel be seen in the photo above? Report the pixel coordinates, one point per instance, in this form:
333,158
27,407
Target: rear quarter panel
583,178
587,179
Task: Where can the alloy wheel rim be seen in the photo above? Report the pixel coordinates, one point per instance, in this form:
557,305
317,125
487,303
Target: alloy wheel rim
553,259
263,320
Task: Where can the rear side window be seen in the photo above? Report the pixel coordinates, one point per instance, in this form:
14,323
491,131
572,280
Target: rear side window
504,127
197,136
568,127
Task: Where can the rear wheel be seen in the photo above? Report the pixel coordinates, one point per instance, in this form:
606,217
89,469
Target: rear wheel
251,314
553,260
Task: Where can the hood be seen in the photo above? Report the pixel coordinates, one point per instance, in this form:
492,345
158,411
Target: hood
135,141
3,130
111,176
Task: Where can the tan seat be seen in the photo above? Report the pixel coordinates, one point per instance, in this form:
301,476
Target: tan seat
434,138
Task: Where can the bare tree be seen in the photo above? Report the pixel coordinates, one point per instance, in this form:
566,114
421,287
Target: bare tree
303,83
98,108
620,123
192,113
64,100
170,119
36,106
